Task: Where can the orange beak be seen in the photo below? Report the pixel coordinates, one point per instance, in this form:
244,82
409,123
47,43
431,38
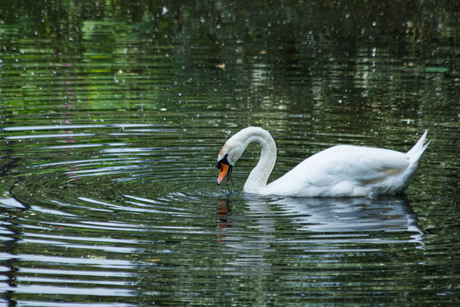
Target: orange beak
224,169
222,172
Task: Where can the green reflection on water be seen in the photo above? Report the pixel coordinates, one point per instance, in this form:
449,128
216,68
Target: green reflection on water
136,206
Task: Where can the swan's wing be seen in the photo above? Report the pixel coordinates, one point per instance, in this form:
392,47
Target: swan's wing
363,165
342,171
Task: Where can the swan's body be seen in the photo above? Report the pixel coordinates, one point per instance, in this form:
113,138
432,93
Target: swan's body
340,171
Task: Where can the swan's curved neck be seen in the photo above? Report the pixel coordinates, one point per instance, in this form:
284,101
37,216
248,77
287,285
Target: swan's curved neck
258,177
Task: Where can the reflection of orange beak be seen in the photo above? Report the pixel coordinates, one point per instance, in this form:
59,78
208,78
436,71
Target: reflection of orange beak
222,172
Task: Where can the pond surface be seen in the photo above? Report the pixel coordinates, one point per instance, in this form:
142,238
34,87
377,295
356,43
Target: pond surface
112,116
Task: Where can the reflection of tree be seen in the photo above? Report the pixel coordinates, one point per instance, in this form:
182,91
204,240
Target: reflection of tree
274,24
319,42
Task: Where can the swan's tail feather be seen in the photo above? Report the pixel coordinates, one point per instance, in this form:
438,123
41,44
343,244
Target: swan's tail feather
414,156
417,151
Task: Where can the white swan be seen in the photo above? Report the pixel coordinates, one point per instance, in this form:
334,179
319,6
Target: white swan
340,171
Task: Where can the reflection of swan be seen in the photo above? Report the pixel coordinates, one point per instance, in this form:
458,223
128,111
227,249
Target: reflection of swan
335,222
350,214
340,171
361,217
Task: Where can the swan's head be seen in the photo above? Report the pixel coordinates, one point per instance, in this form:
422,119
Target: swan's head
228,155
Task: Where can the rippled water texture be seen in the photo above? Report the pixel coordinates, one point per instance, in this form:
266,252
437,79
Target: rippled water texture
112,116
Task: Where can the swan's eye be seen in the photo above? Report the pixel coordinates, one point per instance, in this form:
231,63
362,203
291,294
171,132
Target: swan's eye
223,161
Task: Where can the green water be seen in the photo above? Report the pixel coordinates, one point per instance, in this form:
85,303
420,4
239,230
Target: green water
112,116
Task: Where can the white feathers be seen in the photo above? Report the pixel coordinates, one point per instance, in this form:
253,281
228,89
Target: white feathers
340,171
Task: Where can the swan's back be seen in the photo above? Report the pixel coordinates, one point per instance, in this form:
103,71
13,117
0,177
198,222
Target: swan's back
350,171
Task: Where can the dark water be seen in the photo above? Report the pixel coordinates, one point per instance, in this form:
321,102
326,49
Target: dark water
112,115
